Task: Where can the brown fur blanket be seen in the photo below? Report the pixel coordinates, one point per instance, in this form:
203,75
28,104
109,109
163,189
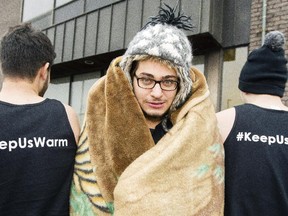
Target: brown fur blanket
119,168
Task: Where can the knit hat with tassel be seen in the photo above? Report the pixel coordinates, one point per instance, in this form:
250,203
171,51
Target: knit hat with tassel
163,37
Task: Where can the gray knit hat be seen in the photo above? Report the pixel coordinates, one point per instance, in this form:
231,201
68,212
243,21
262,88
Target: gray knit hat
162,37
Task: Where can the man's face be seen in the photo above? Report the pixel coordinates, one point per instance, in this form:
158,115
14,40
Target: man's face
154,102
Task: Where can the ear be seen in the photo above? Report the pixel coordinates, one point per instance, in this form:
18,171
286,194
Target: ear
44,71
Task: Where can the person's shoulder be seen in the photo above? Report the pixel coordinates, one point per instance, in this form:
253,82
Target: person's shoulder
225,120
226,114
73,120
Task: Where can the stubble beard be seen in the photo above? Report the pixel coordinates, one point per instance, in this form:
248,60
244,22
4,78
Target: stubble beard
154,117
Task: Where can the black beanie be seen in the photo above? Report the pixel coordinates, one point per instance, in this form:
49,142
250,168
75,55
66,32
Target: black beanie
265,71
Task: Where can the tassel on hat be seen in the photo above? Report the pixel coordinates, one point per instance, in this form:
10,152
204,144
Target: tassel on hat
265,71
162,37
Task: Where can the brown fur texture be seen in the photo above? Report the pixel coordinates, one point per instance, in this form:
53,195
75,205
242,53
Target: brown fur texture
118,133
181,175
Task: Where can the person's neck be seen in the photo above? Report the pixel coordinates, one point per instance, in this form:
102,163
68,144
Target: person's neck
266,101
152,123
19,92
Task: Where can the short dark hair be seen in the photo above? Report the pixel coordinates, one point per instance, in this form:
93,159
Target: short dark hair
24,51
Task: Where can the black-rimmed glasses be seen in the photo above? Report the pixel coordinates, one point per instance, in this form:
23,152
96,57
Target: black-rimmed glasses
148,83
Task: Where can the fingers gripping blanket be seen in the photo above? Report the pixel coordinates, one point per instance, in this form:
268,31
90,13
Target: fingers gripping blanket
119,170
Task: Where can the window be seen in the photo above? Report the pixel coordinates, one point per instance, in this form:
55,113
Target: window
79,91
61,2
59,89
233,62
198,62
74,93
33,9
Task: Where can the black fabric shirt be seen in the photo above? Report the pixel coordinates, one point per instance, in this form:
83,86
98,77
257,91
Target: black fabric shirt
37,153
159,131
256,161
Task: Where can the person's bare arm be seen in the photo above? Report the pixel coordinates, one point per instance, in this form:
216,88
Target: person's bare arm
225,120
74,121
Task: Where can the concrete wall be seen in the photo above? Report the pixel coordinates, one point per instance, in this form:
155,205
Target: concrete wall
10,15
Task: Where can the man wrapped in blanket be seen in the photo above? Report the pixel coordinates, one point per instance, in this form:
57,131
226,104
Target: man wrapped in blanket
150,143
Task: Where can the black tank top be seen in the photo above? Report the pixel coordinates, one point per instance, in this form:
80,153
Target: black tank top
37,151
256,163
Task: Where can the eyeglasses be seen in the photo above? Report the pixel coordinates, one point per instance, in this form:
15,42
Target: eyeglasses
148,83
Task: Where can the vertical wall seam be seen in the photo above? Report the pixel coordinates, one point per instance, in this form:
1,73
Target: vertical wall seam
85,36
97,33
74,38
125,25
110,27
63,44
